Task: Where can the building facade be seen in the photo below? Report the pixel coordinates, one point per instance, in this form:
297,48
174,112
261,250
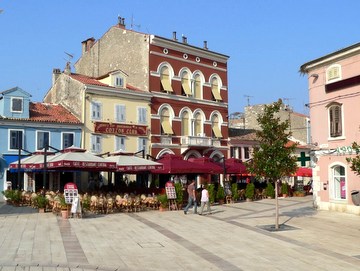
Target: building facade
334,86
27,127
188,84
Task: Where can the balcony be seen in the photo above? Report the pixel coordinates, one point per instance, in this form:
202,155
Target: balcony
196,141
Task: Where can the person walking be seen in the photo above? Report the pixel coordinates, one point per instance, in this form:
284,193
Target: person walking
192,197
205,200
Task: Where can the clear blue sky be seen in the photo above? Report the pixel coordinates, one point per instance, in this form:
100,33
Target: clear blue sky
267,40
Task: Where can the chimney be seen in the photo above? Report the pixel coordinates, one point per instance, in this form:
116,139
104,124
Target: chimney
174,36
205,45
121,22
87,44
67,68
184,39
55,75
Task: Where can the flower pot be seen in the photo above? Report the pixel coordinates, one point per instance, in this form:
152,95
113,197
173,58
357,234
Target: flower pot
65,214
249,199
41,210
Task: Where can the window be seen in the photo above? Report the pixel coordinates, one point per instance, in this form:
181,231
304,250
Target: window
198,125
120,113
96,110
185,124
333,72
67,140
339,182
197,87
42,140
185,83
118,81
165,120
142,144
246,153
165,79
142,115
216,127
120,143
215,89
95,143
16,104
16,139
335,120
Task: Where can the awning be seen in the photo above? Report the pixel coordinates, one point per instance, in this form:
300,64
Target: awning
216,95
167,128
217,131
175,164
208,164
303,172
130,163
33,161
235,166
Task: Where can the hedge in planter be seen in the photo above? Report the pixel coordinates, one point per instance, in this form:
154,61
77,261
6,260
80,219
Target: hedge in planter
250,191
270,191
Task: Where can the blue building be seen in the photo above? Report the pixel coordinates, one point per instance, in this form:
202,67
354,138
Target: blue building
27,127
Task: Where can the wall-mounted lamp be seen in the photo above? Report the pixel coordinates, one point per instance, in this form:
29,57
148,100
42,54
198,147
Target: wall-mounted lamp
315,75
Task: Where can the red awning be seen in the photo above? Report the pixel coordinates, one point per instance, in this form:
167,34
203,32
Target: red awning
303,172
31,162
208,164
235,166
175,164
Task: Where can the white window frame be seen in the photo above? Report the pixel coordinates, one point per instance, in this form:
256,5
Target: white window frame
22,138
96,110
142,144
37,138
342,135
96,143
120,143
12,104
63,138
120,113
330,77
142,115
334,186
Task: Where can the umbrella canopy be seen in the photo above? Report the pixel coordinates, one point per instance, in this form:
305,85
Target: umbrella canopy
73,158
235,166
208,164
33,161
174,164
133,164
303,172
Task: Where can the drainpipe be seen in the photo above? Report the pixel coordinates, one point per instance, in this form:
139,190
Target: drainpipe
83,118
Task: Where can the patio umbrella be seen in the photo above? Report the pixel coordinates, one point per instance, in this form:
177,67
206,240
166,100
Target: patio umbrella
74,158
303,172
31,162
208,164
235,166
175,164
130,163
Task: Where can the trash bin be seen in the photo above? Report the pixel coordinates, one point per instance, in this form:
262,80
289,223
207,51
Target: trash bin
355,195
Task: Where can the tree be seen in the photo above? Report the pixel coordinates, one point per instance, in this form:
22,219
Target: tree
273,158
355,162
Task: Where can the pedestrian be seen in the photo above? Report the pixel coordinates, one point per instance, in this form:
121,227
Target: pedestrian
205,200
192,197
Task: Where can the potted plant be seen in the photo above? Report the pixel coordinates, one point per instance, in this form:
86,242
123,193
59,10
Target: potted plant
211,189
284,189
64,207
41,203
250,191
234,192
270,191
179,194
163,200
220,194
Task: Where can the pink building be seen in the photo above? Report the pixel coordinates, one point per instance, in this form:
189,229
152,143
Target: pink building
334,99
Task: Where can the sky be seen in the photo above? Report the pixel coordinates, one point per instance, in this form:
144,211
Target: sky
266,40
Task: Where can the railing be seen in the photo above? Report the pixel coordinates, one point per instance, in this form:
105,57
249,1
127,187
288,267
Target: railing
196,141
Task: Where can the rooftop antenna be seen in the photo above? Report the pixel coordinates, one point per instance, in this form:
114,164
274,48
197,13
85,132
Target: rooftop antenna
132,23
248,99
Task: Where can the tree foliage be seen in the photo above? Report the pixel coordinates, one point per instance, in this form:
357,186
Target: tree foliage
355,162
273,158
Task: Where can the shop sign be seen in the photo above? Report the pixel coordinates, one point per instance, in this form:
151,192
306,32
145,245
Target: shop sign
120,129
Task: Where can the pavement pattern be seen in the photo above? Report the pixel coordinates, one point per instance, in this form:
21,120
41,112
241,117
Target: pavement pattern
237,236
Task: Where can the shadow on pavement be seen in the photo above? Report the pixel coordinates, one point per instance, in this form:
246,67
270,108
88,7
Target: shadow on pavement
7,209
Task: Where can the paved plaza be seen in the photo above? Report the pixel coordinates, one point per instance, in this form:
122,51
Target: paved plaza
237,236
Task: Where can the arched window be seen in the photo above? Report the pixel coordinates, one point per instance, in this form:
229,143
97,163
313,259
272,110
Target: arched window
165,79
185,124
215,89
338,182
335,120
197,87
216,126
186,83
166,127
198,129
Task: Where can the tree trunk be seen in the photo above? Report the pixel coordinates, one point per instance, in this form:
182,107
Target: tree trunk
276,206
